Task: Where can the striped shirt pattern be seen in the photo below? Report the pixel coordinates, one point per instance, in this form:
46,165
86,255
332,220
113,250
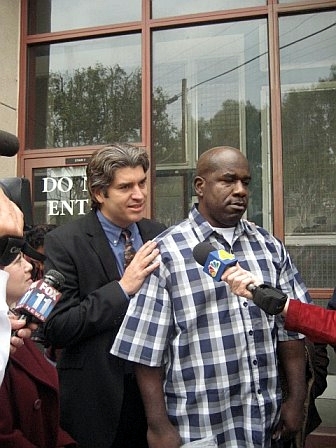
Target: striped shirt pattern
218,349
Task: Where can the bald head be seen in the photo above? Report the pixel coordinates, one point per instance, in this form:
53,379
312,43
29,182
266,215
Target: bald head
214,158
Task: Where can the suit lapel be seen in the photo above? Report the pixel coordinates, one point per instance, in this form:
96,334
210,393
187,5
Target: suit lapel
99,243
146,230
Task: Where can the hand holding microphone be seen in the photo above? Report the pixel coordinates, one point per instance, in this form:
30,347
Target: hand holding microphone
217,264
20,331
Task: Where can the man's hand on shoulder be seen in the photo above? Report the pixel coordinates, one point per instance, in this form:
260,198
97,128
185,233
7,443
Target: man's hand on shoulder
144,262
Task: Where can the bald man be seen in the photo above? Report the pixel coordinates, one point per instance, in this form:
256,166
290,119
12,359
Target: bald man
206,359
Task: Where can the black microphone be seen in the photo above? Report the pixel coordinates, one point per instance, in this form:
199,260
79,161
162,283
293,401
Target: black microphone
215,262
40,299
9,144
17,189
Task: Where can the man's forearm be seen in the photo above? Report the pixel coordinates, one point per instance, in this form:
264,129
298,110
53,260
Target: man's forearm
161,433
150,381
293,360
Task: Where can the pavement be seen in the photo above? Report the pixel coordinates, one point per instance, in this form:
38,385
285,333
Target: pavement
325,435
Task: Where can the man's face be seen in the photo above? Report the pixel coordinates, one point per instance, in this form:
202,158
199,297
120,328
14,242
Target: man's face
126,197
223,193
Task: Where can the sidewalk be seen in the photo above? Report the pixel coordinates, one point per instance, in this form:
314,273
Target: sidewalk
325,435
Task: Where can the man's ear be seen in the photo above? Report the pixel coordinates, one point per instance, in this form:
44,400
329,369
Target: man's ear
198,185
99,196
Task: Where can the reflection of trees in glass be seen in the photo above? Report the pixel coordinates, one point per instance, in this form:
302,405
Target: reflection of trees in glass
94,105
309,155
166,138
225,128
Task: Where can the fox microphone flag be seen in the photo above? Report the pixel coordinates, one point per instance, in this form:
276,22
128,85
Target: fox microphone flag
41,297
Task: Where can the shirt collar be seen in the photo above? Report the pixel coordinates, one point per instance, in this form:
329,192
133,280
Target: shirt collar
203,229
112,230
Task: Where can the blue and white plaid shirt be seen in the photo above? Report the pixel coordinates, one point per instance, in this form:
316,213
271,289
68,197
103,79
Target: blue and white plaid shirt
219,350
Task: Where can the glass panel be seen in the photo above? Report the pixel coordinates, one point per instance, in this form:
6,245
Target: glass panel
85,92
45,16
164,8
59,194
210,88
308,92
297,1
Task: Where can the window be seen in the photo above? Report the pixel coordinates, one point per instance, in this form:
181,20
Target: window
308,94
57,15
207,91
164,8
85,92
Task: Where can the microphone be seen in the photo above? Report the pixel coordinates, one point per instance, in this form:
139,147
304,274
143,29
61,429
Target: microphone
38,302
266,297
9,144
17,189
214,261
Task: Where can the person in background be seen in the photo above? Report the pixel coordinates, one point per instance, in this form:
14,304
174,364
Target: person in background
100,403
35,238
317,362
11,223
332,302
205,360
29,396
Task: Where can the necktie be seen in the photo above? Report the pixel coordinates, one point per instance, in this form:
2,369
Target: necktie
129,251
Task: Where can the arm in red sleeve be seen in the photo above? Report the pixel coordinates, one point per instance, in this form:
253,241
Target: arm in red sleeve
318,323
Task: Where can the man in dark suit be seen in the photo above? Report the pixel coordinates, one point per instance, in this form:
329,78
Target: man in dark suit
100,403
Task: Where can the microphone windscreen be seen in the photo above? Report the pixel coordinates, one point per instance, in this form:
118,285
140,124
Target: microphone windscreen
201,252
55,278
17,189
9,144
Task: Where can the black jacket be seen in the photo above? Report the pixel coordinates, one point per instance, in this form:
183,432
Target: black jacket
85,322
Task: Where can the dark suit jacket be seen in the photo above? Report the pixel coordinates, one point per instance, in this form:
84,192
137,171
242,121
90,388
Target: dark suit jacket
85,322
29,402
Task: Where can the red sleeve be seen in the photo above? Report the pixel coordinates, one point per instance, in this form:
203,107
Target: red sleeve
9,434
318,323
65,440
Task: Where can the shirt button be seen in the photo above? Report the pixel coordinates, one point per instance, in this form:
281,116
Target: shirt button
245,304
37,404
251,332
255,362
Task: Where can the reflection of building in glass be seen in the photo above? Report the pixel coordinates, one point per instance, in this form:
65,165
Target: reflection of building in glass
178,78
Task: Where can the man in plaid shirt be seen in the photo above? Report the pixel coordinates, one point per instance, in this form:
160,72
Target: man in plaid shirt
206,359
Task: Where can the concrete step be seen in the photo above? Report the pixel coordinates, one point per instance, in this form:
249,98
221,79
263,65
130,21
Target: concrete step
322,437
